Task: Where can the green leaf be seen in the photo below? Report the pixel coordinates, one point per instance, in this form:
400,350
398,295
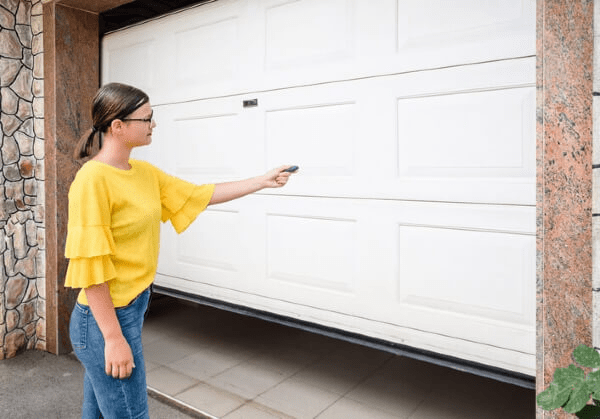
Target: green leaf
579,397
553,397
589,412
593,383
568,377
586,356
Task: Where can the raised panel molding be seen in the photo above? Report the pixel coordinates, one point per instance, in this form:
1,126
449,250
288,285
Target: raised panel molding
205,143
322,137
304,32
312,252
438,32
466,271
475,134
131,62
208,243
196,57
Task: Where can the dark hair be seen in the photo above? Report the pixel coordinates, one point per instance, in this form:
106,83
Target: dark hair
112,101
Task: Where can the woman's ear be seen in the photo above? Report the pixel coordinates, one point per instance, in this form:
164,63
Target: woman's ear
115,126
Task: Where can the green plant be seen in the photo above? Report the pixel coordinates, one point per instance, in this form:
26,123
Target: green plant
572,390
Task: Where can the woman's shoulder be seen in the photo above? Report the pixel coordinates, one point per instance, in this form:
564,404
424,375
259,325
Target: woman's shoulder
89,171
91,174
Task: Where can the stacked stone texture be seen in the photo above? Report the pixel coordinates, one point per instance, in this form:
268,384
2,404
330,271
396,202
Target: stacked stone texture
22,233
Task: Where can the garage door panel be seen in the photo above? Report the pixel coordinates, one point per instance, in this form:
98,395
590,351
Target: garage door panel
438,20
470,274
315,41
133,60
445,135
434,33
198,68
477,134
321,137
197,59
312,252
520,361
207,242
207,141
308,32
211,251
435,268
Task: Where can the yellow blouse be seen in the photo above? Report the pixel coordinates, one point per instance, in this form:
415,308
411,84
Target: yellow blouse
114,224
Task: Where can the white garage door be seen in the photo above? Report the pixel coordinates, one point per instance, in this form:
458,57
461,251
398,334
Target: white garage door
413,121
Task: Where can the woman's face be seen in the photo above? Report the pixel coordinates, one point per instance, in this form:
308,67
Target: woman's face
139,125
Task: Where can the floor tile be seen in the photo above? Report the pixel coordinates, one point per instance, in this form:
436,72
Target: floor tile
341,372
150,365
350,409
152,334
168,381
210,400
331,378
398,386
205,364
298,399
168,350
461,395
247,379
286,361
256,411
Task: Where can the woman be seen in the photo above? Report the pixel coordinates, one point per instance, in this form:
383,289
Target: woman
115,207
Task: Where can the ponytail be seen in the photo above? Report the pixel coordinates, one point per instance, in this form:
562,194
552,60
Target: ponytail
85,147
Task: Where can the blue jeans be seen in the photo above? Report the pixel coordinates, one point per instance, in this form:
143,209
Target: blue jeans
104,396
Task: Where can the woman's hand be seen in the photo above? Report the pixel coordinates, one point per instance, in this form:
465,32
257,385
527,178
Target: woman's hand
118,358
276,178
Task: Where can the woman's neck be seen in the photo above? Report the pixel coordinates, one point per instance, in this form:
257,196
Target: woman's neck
114,154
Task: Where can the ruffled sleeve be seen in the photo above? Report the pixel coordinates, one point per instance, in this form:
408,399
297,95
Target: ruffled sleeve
182,201
85,272
90,242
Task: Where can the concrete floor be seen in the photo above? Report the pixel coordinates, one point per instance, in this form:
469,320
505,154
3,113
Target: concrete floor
231,366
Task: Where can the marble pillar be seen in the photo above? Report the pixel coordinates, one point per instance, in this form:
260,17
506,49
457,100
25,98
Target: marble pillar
71,45
564,184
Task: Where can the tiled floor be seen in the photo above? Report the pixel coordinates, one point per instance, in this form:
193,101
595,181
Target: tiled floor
235,367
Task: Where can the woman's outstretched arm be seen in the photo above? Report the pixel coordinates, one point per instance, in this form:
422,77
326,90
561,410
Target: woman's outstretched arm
228,191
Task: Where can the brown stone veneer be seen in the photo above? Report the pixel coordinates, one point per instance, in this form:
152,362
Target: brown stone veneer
22,223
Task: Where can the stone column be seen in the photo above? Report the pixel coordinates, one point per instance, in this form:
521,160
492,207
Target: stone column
71,48
564,190
22,224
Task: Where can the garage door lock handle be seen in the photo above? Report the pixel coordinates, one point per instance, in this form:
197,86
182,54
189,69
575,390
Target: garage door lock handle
250,103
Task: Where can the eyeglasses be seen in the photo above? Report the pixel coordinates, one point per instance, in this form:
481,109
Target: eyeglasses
138,119
148,120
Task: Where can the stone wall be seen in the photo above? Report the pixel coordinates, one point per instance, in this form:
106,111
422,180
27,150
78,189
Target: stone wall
22,227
